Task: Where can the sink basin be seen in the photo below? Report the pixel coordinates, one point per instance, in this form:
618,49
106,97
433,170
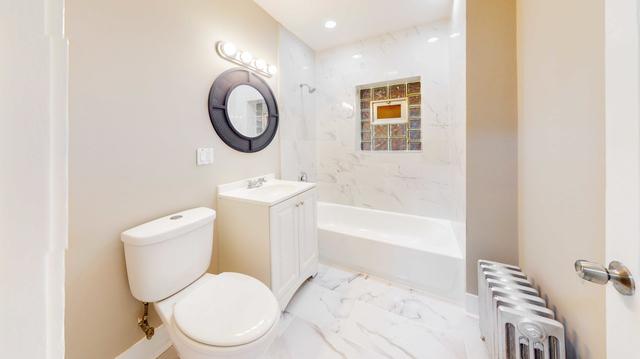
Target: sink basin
273,191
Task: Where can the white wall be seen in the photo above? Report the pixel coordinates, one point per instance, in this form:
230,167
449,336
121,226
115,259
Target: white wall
414,183
33,178
297,107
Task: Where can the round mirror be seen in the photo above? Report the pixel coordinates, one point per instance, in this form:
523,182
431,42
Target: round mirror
247,111
243,110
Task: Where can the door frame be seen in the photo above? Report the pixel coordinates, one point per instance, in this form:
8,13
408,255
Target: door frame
34,179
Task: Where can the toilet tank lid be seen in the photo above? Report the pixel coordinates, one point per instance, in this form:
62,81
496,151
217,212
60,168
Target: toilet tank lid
168,227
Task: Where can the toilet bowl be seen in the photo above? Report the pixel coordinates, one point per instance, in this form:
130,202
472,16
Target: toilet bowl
229,315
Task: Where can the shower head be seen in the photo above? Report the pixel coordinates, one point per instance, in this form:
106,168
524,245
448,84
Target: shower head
309,88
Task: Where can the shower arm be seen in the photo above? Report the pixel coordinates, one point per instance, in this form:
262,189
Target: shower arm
309,88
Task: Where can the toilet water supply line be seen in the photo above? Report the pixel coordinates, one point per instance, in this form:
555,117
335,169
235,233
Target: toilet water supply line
143,322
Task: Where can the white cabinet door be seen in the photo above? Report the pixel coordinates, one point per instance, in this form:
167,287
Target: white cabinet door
284,233
308,234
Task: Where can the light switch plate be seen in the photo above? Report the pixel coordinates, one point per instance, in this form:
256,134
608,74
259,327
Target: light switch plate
204,156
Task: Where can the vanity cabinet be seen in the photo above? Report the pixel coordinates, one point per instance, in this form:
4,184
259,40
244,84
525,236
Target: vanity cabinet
276,243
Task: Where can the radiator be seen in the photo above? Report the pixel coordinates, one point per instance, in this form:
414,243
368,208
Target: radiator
515,322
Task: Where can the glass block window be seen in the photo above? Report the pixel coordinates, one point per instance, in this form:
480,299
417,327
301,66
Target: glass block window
390,116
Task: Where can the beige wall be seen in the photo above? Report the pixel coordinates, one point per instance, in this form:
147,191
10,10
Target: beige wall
561,159
491,134
139,81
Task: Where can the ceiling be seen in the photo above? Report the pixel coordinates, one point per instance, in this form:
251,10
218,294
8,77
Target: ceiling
356,19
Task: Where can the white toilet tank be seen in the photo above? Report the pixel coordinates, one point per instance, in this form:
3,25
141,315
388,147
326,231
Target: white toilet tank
165,255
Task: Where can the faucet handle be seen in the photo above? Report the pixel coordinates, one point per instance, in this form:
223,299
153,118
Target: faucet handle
257,182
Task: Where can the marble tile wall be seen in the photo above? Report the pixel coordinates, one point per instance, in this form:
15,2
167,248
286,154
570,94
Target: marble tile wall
297,108
458,95
419,183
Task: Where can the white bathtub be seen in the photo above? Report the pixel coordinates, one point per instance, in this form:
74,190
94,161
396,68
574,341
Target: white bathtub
420,252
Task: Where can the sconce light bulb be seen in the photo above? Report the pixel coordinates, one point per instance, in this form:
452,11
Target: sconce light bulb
272,69
246,57
229,49
261,64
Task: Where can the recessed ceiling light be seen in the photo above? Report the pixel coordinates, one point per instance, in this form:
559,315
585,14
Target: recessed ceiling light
357,56
330,24
454,35
432,40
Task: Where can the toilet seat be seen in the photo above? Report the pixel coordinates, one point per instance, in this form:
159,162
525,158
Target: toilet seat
229,310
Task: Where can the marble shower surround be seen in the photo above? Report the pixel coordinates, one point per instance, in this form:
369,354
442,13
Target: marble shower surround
407,182
297,108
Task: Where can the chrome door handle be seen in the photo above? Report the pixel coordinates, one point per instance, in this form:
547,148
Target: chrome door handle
617,273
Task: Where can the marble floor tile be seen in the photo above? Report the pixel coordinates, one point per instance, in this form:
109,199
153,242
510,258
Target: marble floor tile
345,314
399,337
332,277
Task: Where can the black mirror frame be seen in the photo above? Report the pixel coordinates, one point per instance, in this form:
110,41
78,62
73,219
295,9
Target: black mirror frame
218,99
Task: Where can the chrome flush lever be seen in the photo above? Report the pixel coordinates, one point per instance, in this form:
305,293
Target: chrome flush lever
617,273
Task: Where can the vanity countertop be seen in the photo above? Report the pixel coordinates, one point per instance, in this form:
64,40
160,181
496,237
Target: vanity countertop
271,192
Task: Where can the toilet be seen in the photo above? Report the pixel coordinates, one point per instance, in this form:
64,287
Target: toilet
229,315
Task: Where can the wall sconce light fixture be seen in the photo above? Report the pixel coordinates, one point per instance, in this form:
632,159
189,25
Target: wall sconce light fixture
229,51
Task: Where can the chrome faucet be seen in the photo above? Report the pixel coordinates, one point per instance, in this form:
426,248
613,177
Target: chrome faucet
255,183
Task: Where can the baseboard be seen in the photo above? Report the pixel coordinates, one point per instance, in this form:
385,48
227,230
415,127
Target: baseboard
149,349
471,304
